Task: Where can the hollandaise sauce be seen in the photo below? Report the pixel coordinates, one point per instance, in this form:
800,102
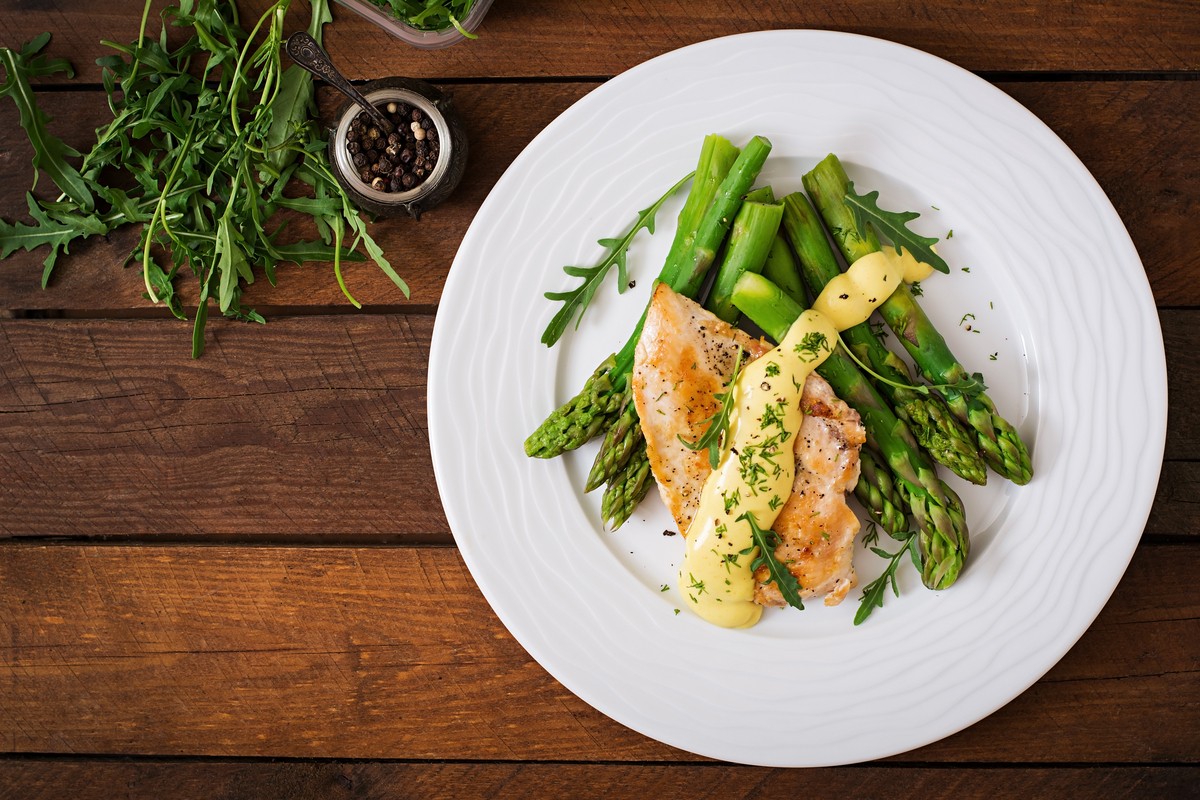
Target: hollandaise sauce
756,471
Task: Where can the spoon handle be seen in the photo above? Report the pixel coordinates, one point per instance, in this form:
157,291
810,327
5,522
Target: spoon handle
304,50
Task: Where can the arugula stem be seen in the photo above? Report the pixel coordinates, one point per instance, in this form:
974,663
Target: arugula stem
337,261
141,39
158,212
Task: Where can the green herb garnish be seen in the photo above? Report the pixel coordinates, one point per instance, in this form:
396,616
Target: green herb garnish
876,590
578,299
767,540
893,225
811,346
971,386
430,15
713,438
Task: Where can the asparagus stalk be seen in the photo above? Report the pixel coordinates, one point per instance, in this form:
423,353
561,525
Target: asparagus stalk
996,439
580,419
595,407
750,239
880,495
620,442
627,489
684,275
935,508
931,421
782,270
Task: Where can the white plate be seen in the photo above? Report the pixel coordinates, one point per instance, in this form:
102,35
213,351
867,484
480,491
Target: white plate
1059,296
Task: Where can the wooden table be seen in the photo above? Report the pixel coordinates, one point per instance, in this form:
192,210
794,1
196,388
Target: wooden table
232,577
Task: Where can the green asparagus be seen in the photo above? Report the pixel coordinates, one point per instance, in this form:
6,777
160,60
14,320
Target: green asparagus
934,425
782,270
996,438
935,508
620,442
750,239
626,490
880,495
692,253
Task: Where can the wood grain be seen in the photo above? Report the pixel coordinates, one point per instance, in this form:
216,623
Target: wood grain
223,780
1148,162
305,427
122,431
539,38
393,653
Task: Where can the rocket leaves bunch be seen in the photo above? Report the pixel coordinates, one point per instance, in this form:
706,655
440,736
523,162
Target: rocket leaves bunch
209,143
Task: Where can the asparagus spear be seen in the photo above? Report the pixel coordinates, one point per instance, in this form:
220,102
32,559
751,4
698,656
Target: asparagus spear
750,239
620,442
581,418
782,270
996,439
592,410
627,489
935,508
880,495
684,272
931,421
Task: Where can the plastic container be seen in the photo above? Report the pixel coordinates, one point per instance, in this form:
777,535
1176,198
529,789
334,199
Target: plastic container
415,36
452,137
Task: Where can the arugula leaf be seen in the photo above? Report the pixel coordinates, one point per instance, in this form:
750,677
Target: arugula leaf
49,152
713,438
893,225
58,233
875,591
780,575
578,299
164,289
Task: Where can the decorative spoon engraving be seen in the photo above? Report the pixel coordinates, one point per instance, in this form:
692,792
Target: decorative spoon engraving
304,50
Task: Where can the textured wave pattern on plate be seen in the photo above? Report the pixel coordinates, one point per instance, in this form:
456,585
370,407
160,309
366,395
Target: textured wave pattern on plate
800,692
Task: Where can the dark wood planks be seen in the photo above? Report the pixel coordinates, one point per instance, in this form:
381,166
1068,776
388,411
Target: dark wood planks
310,426
393,653
1147,161
572,38
305,427
224,780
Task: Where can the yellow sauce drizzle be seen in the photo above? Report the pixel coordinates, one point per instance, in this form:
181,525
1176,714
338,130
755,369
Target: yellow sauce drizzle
757,468
754,475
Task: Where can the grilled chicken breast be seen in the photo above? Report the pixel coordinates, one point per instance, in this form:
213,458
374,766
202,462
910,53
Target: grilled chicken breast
684,357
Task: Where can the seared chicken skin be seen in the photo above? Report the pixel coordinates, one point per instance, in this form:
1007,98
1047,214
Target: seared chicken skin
684,357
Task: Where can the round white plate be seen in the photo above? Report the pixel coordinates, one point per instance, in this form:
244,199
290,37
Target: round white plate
1064,329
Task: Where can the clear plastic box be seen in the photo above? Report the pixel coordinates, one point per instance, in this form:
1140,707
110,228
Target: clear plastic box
415,36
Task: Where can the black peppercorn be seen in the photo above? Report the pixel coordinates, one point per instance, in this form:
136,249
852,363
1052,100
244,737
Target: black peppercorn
399,160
